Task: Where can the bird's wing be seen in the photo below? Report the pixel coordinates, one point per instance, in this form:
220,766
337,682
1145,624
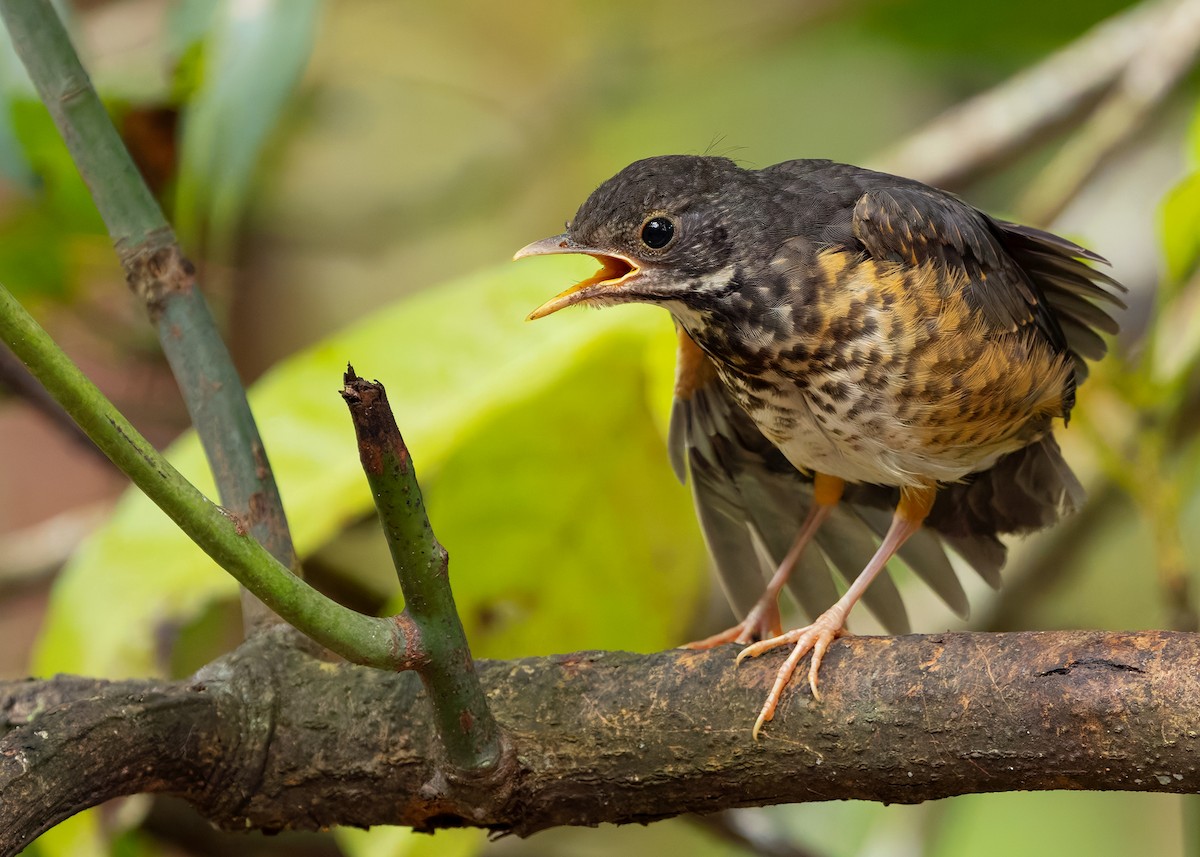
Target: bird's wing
1015,276
920,226
1079,295
751,501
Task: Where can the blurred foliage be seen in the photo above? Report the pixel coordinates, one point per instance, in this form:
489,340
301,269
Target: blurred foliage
400,842
966,40
1142,428
234,65
424,142
246,59
48,225
1180,217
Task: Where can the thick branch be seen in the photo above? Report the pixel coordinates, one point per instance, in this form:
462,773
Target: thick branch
160,275
434,635
107,742
271,739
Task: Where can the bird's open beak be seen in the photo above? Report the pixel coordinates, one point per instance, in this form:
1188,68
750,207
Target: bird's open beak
615,270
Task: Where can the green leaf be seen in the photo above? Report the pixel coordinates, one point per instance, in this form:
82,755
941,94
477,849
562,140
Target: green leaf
1096,824
81,835
1179,215
254,56
535,445
1193,138
571,532
971,34
402,842
51,230
1180,222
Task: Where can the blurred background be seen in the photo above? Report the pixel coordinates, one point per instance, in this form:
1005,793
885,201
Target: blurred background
352,177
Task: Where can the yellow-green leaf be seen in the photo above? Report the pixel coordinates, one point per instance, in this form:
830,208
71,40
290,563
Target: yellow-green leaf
538,452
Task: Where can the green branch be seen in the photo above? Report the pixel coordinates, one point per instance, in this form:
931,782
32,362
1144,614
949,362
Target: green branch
222,535
465,723
428,637
160,275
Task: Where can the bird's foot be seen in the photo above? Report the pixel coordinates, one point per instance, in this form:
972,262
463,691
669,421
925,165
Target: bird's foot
762,622
815,638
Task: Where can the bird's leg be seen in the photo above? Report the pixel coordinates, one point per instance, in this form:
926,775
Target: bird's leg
763,619
914,505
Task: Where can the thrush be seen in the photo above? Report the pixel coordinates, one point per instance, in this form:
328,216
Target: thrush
851,343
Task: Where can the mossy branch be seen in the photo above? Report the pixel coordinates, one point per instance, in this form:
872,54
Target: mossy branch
270,739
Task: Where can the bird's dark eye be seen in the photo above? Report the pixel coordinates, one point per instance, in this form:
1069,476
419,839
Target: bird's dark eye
657,232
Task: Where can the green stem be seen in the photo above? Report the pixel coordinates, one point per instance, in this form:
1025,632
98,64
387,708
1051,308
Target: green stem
468,731
129,209
223,536
160,275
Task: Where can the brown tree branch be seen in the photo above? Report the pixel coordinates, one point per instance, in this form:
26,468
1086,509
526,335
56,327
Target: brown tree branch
987,131
1142,88
272,739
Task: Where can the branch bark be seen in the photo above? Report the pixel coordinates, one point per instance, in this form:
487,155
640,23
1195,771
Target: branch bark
271,739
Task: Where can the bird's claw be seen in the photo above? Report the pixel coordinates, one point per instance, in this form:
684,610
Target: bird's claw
736,634
813,638
762,621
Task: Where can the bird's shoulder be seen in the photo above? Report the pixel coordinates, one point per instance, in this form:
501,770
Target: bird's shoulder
886,216
838,183
900,221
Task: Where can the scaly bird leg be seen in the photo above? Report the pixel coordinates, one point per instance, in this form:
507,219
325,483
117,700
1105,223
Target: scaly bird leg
763,618
914,505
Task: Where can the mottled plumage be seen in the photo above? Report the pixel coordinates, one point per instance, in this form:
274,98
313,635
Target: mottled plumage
882,337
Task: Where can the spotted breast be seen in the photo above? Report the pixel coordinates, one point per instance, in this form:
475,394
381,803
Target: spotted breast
883,373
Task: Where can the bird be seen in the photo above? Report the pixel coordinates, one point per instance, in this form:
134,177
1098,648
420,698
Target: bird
868,367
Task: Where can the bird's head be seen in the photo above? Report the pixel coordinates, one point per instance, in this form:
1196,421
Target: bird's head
658,229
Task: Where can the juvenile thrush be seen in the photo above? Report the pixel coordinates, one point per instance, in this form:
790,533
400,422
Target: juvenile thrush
850,342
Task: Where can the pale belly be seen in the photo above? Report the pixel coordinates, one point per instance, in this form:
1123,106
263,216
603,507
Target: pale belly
857,435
